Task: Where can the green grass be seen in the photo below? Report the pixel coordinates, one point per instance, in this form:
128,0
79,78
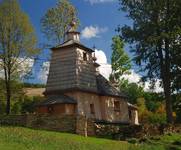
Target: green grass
18,138
169,141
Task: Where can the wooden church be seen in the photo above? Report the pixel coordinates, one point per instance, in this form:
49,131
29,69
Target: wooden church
75,86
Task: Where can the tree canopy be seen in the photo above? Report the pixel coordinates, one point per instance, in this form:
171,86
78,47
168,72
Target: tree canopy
120,61
156,42
56,22
17,43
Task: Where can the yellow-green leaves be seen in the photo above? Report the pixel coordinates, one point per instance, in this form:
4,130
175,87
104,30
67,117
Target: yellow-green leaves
56,21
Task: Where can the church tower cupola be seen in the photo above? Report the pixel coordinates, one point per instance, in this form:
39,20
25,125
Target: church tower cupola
72,34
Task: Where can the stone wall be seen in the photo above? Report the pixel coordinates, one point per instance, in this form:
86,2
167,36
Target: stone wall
85,126
63,123
117,131
19,120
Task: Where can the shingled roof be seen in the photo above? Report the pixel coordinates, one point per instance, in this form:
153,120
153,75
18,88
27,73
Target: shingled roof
105,88
72,43
57,99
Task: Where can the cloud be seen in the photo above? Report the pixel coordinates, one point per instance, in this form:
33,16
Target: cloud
24,67
43,74
105,68
99,1
92,32
135,78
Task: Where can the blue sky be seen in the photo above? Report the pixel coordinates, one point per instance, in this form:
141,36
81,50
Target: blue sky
99,16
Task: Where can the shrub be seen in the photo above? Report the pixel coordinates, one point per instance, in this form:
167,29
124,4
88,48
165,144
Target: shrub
157,118
133,140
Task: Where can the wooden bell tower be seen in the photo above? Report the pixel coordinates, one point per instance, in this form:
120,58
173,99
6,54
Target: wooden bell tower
71,67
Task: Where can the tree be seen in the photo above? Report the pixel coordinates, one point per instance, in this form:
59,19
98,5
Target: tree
153,100
156,42
132,90
120,61
57,21
17,44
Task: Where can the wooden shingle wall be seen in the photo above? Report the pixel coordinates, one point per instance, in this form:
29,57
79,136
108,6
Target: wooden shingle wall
69,70
62,72
86,73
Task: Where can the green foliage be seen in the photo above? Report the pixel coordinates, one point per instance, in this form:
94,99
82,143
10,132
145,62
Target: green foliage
20,102
56,22
155,41
29,104
156,118
16,108
154,24
32,85
120,61
17,44
150,105
153,100
25,104
141,105
133,90
177,106
17,95
133,140
15,23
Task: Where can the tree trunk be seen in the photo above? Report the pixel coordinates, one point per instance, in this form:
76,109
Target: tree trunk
8,89
8,99
8,95
166,78
168,103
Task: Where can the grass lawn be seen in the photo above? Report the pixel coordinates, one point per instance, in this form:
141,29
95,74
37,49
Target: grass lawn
18,138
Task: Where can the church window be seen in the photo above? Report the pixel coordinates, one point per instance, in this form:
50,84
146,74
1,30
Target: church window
92,110
50,109
130,114
84,56
117,106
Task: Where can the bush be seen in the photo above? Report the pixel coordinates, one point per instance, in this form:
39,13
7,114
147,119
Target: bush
133,140
26,104
29,104
154,118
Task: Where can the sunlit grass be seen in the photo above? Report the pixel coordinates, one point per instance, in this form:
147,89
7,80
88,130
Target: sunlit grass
18,138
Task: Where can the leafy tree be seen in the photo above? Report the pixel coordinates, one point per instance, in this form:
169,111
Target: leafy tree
153,100
133,90
57,21
177,106
156,42
120,61
17,44
29,104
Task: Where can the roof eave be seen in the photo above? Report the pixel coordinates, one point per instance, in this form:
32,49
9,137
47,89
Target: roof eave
71,45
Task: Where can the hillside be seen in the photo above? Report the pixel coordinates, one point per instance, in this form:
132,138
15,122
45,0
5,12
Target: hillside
34,91
17,138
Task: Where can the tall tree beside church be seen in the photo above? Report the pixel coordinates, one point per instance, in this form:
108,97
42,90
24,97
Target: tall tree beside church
155,39
120,61
56,22
17,43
